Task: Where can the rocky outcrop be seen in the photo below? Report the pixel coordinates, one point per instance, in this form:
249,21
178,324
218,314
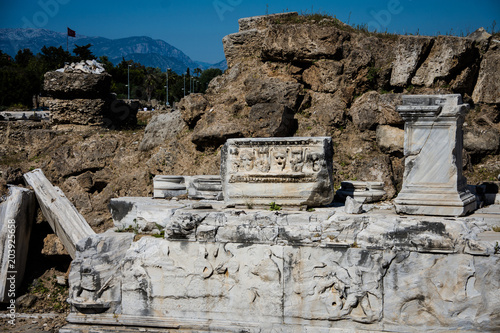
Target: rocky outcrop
295,75
487,88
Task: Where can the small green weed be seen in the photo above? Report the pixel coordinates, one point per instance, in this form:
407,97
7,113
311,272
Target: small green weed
274,207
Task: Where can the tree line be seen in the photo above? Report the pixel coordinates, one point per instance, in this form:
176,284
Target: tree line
21,77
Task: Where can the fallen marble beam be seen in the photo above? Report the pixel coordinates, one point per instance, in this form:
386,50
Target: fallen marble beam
17,213
68,224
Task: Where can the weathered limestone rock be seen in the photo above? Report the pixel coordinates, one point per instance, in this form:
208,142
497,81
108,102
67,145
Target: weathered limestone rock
324,75
192,107
163,127
433,183
390,139
68,224
364,192
78,111
487,89
410,52
289,171
17,214
445,58
372,108
77,85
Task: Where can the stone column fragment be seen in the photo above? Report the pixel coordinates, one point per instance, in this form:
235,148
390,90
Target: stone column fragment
17,214
68,224
433,183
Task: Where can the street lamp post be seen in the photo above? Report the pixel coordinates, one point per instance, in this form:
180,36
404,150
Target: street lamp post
184,84
128,78
167,88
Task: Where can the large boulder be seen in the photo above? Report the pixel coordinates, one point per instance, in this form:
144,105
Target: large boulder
271,119
324,75
78,111
272,91
77,85
162,128
192,107
372,109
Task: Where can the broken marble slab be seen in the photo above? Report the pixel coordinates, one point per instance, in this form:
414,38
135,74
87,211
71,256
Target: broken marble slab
364,192
293,171
205,187
66,222
201,187
142,214
433,183
165,186
17,214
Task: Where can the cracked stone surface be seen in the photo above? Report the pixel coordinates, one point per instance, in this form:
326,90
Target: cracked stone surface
283,271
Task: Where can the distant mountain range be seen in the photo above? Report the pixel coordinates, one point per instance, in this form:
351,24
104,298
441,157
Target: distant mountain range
145,50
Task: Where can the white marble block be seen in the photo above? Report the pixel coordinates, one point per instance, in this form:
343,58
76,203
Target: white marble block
290,171
433,183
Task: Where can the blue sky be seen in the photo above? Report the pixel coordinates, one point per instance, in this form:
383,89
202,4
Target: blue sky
197,27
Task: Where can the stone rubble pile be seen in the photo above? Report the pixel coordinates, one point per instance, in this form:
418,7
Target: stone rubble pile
84,66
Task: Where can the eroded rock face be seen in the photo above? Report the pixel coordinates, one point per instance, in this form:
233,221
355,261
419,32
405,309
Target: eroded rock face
410,52
192,107
487,88
448,56
162,128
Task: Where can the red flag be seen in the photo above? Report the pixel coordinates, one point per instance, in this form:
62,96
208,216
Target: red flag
71,33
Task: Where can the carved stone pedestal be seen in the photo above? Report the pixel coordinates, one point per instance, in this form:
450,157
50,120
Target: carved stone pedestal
433,183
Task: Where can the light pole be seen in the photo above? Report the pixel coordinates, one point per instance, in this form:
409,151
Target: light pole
167,88
184,85
128,78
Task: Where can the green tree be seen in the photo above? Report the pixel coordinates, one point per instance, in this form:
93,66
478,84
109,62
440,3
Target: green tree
83,52
55,57
23,57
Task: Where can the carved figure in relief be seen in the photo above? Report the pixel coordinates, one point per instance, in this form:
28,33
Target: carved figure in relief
315,161
297,159
247,160
280,158
262,164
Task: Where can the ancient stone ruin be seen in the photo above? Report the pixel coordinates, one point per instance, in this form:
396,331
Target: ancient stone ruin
262,247
80,94
228,266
